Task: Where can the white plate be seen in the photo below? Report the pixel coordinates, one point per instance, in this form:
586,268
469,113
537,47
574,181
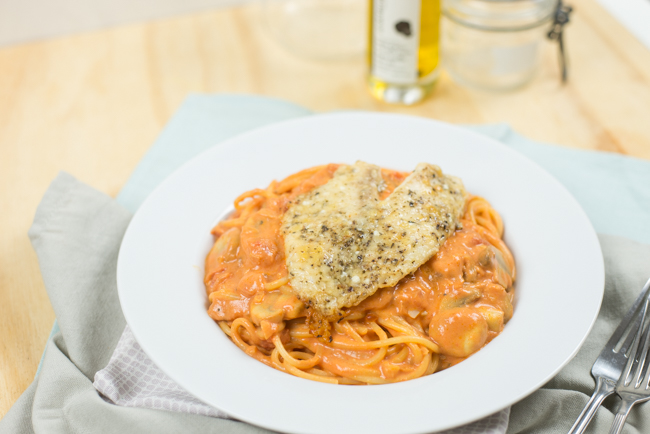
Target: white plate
558,290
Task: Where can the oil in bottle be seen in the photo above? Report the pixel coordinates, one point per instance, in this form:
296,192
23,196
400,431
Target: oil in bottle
403,49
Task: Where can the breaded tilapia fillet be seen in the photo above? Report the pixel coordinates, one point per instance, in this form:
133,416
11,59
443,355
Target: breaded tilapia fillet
342,243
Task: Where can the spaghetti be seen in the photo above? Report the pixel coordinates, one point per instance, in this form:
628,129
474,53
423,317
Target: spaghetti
432,319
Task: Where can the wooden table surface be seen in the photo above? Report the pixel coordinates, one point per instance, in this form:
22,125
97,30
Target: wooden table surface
92,104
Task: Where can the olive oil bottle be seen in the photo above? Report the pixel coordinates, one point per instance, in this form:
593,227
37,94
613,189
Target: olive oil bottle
403,49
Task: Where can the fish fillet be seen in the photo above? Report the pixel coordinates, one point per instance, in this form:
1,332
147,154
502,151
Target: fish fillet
342,242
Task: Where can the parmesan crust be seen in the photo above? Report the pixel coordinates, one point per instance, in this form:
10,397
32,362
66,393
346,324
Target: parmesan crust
342,243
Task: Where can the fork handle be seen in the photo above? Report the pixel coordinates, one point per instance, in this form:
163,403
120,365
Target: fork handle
604,388
623,410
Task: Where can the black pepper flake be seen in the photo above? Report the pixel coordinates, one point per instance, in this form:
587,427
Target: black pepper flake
411,204
350,289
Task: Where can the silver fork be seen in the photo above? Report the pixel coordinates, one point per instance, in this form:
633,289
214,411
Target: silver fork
633,386
610,363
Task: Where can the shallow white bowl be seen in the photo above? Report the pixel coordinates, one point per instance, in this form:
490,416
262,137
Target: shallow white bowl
558,290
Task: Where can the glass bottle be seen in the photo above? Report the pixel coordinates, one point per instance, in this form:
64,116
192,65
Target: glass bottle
403,49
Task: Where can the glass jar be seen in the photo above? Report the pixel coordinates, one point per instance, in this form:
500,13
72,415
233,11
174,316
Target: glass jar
494,44
318,29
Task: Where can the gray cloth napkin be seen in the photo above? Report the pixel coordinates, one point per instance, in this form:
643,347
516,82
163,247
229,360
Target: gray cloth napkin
76,235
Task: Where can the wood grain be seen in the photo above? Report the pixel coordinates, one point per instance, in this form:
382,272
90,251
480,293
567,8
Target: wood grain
92,104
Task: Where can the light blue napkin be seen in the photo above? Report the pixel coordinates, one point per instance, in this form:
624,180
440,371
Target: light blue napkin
614,190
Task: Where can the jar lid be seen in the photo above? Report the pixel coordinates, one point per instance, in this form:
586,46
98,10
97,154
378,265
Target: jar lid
500,15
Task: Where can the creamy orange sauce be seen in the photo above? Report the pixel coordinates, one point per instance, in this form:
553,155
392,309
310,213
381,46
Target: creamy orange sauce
448,309
245,257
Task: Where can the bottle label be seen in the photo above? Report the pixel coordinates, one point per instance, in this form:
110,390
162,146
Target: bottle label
395,40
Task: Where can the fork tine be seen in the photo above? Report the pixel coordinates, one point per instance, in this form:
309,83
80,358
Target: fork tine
630,338
643,355
644,366
635,353
623,337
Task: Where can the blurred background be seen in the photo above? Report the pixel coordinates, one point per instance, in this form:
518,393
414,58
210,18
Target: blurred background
28,20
